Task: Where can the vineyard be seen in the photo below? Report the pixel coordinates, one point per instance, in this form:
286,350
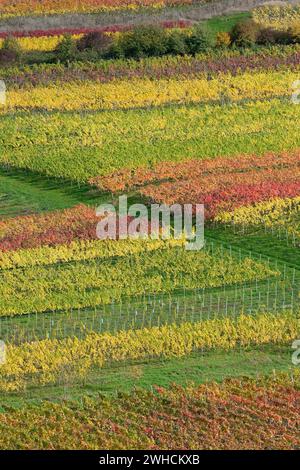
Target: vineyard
193,417
140,343
85,6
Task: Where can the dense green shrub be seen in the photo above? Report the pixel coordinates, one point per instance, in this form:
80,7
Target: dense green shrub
176,43
66,49
198,41
144,41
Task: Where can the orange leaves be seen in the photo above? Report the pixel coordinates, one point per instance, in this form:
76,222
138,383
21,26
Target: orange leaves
128,179
52,228
236,414
219,184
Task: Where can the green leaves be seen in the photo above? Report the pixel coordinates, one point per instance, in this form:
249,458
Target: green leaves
133,138
90,283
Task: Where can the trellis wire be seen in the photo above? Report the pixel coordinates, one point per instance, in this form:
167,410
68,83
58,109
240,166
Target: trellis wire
157,309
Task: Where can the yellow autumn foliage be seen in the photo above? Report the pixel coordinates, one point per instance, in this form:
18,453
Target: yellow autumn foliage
91,95
45,362
81,250
280,17
274,213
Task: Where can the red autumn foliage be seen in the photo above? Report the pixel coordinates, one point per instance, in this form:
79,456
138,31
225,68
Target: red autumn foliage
238,414
115,28
51,228
219,184
128,179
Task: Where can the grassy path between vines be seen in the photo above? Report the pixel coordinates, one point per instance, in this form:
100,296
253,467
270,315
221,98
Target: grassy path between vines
198,368
257,242
23,193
